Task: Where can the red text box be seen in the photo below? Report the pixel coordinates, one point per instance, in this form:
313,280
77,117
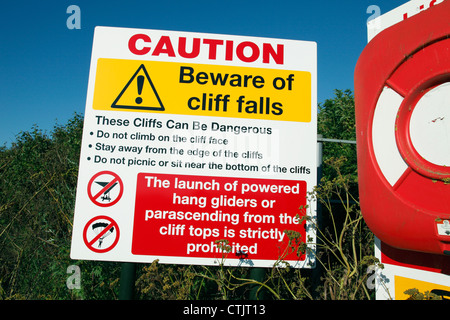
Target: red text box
185,216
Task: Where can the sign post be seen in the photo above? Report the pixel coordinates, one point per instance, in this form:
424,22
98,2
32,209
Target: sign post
201,148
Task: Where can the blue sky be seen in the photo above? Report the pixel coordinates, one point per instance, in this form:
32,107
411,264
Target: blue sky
44,66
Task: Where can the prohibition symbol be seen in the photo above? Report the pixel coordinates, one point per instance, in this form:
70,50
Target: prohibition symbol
101,234
105,188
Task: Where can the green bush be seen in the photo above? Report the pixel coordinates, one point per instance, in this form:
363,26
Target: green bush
38,176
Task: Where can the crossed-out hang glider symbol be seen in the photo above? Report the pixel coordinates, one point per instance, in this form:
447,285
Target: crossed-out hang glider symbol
106,196
108,181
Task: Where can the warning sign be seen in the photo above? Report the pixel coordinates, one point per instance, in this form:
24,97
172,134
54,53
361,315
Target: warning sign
101,234
105,188
199,148
139,93
203,90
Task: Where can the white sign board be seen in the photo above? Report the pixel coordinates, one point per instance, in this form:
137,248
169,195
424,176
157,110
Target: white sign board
197,149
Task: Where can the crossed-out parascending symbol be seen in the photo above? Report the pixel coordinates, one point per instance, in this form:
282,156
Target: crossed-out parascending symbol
99,228
101,234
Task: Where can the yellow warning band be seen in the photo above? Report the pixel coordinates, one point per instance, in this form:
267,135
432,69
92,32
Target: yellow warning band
203,90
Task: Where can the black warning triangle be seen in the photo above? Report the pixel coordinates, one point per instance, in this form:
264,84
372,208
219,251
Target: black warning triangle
141,96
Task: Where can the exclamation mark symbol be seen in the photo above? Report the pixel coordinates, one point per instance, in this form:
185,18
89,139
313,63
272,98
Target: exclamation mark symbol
140,84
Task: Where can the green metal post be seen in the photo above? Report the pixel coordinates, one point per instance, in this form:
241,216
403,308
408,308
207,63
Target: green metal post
256,274
127,279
